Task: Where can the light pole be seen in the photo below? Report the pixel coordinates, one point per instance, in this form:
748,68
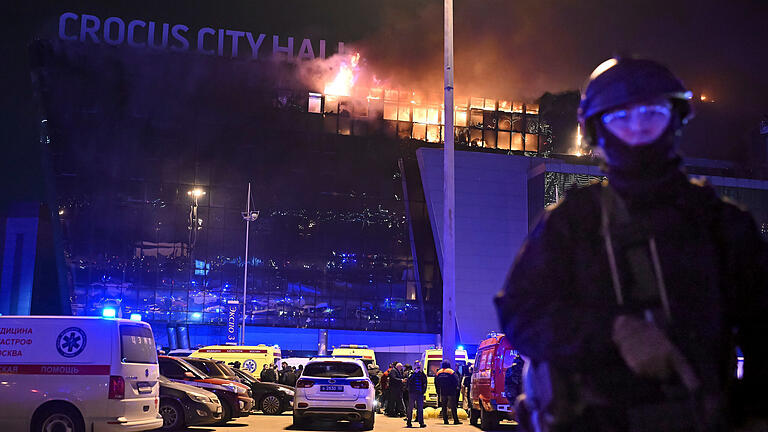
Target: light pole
249,216
449,204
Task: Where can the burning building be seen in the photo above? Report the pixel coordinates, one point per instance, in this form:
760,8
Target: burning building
346,175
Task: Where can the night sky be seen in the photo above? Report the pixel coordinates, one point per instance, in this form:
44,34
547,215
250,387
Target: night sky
507,49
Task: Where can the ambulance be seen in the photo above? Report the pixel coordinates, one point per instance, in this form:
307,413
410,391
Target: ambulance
251,358
78,374
362,352
431,360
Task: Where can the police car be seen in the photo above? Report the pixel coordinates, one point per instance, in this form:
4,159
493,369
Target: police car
335,389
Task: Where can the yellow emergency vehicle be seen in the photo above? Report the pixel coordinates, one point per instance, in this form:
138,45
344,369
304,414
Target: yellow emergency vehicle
362,352
251,358
431,360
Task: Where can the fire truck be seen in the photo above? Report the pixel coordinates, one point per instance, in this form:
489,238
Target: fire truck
491,400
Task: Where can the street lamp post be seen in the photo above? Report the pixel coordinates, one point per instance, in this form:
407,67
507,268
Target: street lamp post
449,204
249,216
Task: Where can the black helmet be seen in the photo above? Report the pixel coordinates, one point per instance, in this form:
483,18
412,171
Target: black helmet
621,81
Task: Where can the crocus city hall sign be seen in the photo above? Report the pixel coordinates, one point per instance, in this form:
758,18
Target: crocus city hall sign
179,37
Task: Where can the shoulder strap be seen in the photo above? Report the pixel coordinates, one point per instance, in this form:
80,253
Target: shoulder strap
641,264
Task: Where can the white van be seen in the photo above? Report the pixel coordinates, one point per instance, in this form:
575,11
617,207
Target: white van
77,374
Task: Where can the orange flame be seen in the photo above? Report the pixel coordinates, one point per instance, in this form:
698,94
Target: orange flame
344,81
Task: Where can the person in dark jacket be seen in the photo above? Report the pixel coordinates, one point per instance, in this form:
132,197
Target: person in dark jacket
466,386
395,407
417,387
447,386
630,296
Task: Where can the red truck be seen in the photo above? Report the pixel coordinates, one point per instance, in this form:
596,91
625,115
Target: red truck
491,400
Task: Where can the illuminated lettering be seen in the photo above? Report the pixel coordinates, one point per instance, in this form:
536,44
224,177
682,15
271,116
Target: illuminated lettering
63,25
305,51
151,36
176,33
277,49
220,47
90,30
201,39
131,33
108,31
254,45
236,35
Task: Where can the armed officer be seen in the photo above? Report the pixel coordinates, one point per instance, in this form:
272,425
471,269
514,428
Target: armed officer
631,296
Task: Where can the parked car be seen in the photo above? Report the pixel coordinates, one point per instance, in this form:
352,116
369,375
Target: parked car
271,398
78,374
183,405
336,389
234,397
492,396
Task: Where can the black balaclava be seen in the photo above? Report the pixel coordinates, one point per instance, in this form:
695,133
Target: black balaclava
643,173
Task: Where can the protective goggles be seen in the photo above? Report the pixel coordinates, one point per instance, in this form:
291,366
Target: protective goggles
642,112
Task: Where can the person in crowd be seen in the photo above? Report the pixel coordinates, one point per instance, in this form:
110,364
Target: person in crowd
417,387
395,405
513,378
629,297
466,384
288,377
447,386
385,388
264,372
407,371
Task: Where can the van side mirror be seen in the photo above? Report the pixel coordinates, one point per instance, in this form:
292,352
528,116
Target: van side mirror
188,374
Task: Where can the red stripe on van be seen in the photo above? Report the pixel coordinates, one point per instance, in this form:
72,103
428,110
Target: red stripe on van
27,369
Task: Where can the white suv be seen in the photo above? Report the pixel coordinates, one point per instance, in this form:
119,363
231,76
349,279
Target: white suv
336,389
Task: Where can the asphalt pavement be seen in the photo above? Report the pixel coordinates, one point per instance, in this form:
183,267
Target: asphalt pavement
284,422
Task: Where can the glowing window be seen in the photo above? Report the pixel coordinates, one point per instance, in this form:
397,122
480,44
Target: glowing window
490,104
331,104
419,114
434,115
476,102
531,142
433,133
532,108
505,105
517,141
517,107
404,112
390,111
503,140
315,102
460,119
419,131
390,95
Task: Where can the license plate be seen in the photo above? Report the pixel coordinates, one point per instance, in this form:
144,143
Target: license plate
332,388
144,387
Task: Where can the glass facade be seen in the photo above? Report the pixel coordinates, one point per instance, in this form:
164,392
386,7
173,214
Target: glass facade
152,158
755,200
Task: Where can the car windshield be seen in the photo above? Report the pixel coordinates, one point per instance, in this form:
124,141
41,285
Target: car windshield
434,365
333,369
209,368
225,369
188,367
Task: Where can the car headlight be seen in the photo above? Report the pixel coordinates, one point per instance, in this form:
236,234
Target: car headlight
231,387
197,397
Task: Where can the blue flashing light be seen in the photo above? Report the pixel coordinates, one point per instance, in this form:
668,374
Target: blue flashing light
460,347
135,317
197,315
108,312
